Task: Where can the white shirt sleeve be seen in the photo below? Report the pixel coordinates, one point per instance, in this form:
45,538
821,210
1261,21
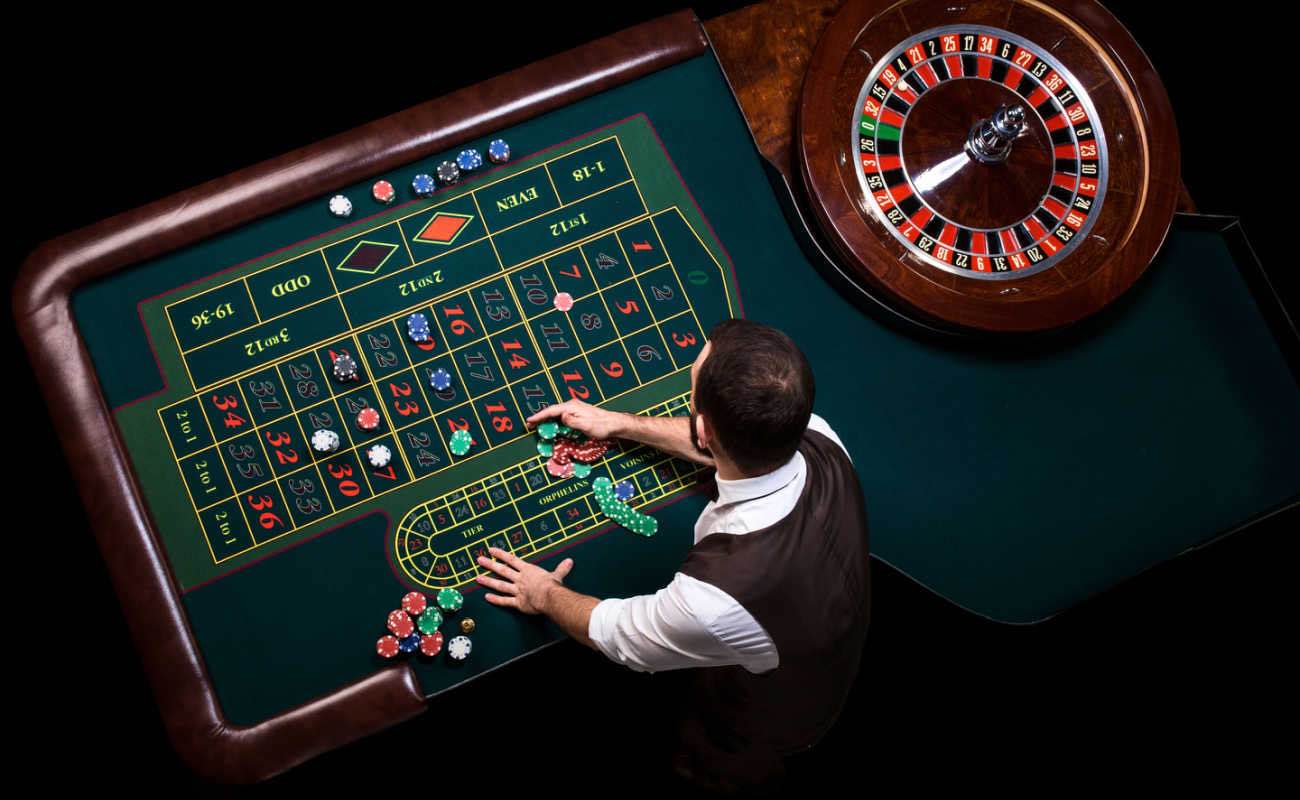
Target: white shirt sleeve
816,423
688,623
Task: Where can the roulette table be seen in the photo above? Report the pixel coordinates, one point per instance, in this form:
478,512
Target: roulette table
1048,380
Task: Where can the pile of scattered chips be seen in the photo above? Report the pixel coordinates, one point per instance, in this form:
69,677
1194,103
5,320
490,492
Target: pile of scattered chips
619,511
567,452
414,627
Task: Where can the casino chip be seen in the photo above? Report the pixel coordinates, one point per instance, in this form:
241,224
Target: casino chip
383,192
461,442
430,621
423,185
448,173
469,160
379,456
409,644
459,648
431,645
563,301
440,379
559,469
467,625
417,327
399,622
387,646
545,449
548,430
624,490
324,441
450,600
345,368
498,151
581,470
368,419
340,206
414,603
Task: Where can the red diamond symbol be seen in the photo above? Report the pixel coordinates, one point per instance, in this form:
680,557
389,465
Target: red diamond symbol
443,228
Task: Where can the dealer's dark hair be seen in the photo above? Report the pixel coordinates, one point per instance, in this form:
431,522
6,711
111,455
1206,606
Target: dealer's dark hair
757,390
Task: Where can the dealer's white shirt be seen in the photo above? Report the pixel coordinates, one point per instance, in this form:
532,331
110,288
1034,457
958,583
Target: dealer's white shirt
690,623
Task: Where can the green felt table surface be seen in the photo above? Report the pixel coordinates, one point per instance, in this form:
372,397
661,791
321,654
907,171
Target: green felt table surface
1012,483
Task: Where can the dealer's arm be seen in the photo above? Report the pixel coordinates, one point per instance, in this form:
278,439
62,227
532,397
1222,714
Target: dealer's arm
533,590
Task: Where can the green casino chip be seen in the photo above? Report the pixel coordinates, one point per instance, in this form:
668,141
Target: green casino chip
545,449
580,470
548,430
461,441
450,600
429,621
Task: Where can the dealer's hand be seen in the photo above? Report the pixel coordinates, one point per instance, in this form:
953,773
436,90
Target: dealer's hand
592,421
522,586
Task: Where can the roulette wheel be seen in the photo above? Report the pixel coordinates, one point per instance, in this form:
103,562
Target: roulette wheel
1001,166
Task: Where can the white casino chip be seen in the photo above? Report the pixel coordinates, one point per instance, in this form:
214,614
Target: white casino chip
379,456
340,206
459,647
324,441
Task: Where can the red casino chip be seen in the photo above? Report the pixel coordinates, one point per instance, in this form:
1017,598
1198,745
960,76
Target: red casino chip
368,419
399,622
383,192
431,645
563,301
387,646
414,603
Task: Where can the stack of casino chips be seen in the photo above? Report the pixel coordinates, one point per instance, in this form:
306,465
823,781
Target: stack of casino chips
469,160
325,441
340,206
440,379
461,443
383,192
345,368
607,497
417,327
368,419
415,627
423,185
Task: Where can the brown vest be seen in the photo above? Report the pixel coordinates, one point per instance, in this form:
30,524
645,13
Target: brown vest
805,579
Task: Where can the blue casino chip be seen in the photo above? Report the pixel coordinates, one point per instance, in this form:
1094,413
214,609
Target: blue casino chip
440,379
624,490
417,327
423,184
469,160
498,151
410,644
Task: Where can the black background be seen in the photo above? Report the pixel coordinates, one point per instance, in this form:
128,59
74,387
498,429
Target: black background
1179,671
